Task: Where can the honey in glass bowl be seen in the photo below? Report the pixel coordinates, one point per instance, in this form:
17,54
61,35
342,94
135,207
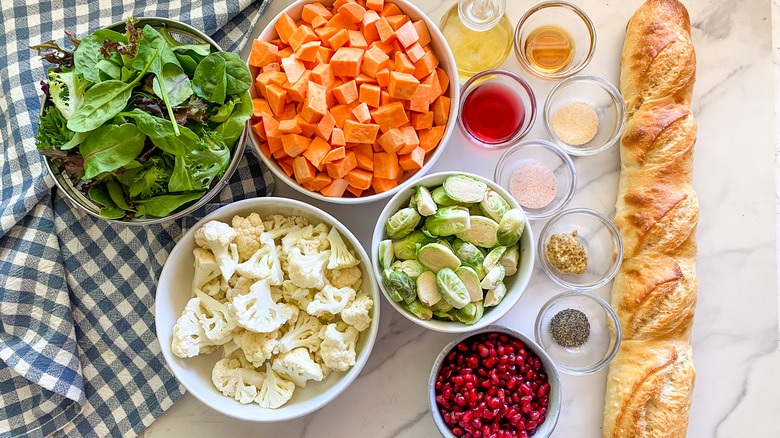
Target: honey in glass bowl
549,48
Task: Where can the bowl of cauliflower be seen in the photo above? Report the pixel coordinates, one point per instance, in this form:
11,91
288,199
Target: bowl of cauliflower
267,309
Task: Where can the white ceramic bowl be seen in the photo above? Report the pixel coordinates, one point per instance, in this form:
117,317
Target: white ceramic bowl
173,292
515,284
446,63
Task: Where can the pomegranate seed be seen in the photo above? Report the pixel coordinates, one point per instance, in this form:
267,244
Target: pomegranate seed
494,402
526,399
526,408
533,415
530,424
457,431
544,389
522,434
525,387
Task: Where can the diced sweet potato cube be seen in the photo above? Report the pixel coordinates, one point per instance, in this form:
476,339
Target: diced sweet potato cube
433,80
276,96
422,32
403,64
308,51
353,11
365,162
263,53
304,171
355,191
271,127
314,10
288,112
289,127
363,78
326,33
323,75
346,93
260,106
383,77
293,68
357,40
324,54
390,9
342,113
402,85
341,21
373,60
385,31
413,160
264,149
274,66
370,94
382,185
415,52
420,100
396,21
364,148
307,128
441,110
369,18
338,3
335,189
392,140
359,178
303,34
425,65
386,165
410,137
285,26
294,144
338,168
297,91
319,182
422,121
284,53
286,164
385,99
334,154
375,4
390,116
429,138
315,106
274,143
325,126
339,39
346,61
259,130
318,21
361,113
355,132
387,48
407,34
337,138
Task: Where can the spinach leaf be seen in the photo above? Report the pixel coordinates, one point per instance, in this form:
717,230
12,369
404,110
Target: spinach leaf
103,101
110,147
196,170
118,195
127,175
232,128
176,82
188,63
86,57
111,35
209,81
237,76
108,70
162,135
78,137
201,49
99,194
164,205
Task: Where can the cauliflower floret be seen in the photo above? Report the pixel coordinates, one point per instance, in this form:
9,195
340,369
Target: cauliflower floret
189,339
256,310
346,277
338,347
206,268
307,271
330,301
233,380
240,288
264,263
340,256
257,347
214,288
277,225
304,332
218,237
303,297
215,319
248,231
275,391
356,314
298,366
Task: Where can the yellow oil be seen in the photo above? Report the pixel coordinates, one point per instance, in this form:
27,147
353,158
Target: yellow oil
476,51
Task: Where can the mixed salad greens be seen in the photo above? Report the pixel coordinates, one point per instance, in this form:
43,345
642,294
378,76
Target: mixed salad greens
140,122
447,254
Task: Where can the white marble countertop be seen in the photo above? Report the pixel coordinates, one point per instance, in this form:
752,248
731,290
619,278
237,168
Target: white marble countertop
735,337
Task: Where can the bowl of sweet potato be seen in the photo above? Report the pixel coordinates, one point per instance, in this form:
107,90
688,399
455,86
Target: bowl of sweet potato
353,99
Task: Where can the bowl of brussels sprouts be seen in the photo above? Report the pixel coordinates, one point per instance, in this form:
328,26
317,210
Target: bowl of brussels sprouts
453,253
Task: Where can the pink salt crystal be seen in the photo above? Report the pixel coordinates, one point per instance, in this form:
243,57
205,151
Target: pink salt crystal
533,185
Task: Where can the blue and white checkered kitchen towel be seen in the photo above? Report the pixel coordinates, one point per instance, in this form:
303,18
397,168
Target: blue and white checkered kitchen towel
78,351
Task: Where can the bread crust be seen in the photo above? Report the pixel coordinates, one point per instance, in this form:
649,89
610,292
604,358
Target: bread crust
651,379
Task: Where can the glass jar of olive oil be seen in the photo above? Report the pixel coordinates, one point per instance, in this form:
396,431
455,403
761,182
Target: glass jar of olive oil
478,33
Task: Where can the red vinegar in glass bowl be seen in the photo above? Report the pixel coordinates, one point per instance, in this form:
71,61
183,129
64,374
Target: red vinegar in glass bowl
497,109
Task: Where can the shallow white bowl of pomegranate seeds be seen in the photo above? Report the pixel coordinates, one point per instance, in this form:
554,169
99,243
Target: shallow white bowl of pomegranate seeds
494,383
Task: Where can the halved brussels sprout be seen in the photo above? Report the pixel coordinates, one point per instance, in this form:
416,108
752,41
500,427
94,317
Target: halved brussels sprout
493,257
418,310
493,277
511,227
471,313
423,202
464,189
406,248
451,288
427,291
470,279
495,295
413,268
443,305
440,197
399,286
438,314
436,256
494,205
448,221
386,253
482,232
470,255
476,210
402,223
510,259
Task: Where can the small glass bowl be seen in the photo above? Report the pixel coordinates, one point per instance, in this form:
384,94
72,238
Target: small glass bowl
551,157
598,236
602,344
567,17
599,94
524,95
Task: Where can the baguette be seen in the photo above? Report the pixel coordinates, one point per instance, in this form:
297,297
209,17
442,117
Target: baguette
650,381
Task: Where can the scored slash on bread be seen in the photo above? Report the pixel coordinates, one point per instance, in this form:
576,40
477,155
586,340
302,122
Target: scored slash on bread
651,379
